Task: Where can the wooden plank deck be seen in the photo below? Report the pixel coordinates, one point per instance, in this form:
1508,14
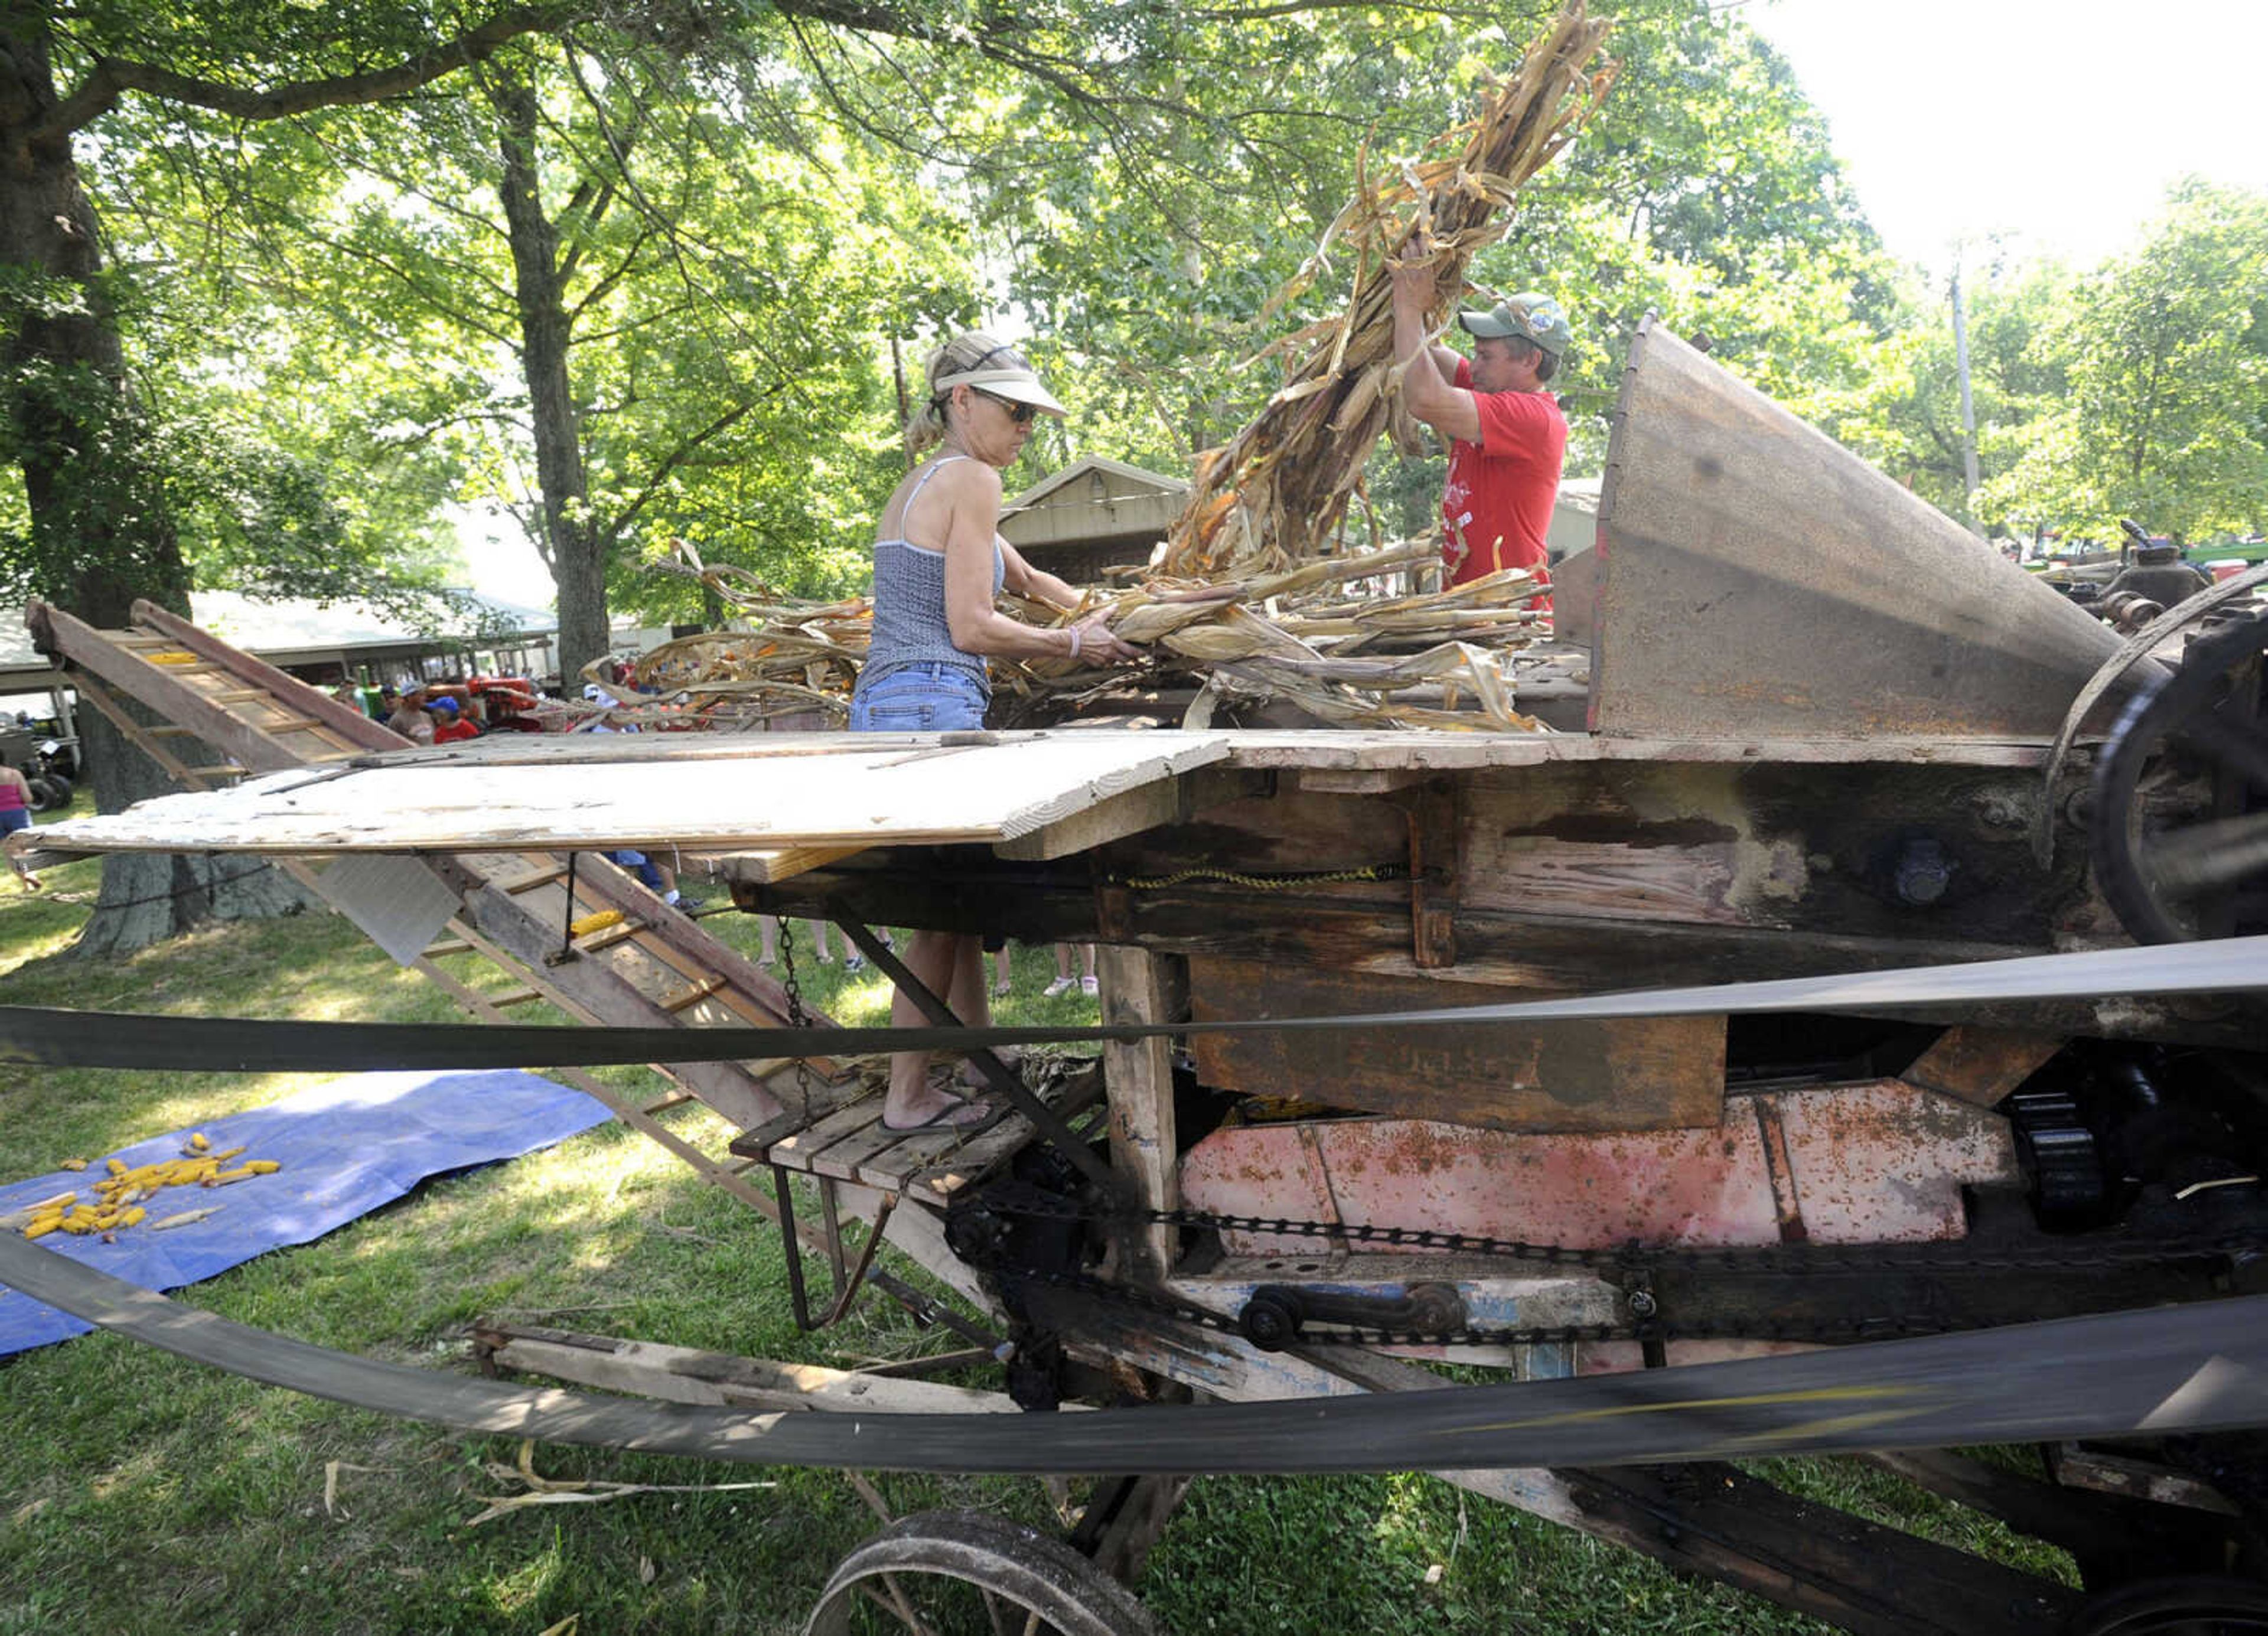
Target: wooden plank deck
835,791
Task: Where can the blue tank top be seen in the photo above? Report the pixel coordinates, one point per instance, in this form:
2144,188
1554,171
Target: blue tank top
909,625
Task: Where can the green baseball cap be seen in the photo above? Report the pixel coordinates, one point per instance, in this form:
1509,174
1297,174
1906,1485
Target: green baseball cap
1530,316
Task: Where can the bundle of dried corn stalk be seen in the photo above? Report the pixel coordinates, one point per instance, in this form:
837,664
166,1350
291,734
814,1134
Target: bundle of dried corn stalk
1322,636
1277,493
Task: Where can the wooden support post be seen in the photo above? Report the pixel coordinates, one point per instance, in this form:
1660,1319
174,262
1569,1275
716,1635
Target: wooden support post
1139,986
1432,811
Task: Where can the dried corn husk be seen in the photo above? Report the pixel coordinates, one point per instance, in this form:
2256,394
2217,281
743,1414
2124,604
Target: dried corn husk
1279,491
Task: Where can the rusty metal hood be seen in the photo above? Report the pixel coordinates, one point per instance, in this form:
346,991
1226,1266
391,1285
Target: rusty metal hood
1757,579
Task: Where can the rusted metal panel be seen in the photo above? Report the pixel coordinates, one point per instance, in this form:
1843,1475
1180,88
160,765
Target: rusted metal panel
1876,1162
1756,577
1982,1065
1637,1075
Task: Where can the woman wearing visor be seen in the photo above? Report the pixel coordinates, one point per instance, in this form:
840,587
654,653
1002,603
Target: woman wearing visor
940,562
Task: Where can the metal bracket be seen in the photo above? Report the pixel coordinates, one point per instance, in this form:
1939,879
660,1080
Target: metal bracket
846,1285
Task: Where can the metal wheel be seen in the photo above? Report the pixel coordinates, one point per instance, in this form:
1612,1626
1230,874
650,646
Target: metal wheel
49,793
2198,1606
2180,839
966,1574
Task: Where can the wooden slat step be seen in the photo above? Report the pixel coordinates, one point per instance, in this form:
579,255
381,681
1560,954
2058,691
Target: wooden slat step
598,941
807,1149
844,1139
529,882
980,1156
755,1142
685,1000
225,770
238,696
199,667
517,997
660,1104
453,946
292,724
170,732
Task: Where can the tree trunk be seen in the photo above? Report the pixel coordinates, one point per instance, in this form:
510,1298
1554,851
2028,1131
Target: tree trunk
572,540
101,533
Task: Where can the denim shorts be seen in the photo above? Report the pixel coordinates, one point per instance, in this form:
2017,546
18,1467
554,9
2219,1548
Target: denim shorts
921,698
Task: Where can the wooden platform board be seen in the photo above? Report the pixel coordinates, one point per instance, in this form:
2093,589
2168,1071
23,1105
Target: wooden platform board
829,790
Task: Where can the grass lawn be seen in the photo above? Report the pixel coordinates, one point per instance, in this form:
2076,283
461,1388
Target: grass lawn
140,1491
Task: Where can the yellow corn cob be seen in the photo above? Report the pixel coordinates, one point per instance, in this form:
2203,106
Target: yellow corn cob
197,1140
221,1178
72,1164
117,1166
261,1166
597,922
42,1227
228,1152
134,1216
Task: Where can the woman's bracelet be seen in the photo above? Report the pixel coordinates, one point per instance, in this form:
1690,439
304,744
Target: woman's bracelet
1074,641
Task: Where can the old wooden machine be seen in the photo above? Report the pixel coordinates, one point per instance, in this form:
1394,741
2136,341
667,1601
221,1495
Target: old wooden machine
1824,733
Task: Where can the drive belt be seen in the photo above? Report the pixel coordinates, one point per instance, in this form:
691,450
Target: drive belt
2194,1369
72,1039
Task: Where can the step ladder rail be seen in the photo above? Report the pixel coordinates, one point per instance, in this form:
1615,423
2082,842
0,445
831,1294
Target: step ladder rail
309,706
512,906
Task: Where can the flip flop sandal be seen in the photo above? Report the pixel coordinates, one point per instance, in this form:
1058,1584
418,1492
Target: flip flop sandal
945,1120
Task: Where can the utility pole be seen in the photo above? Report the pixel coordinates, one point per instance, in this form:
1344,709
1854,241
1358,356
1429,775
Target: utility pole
1968,409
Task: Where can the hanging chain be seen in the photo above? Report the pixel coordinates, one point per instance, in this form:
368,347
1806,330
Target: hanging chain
797,1016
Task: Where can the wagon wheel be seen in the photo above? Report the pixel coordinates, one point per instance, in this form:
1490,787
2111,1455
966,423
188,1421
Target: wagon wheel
2176,1607
966,1574
2180,837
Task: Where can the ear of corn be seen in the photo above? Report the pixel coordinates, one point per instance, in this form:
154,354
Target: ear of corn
117,1204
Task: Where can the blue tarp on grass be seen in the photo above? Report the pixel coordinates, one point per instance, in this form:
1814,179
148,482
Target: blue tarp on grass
345,1147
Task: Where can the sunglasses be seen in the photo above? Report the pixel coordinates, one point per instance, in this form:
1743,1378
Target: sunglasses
1020,413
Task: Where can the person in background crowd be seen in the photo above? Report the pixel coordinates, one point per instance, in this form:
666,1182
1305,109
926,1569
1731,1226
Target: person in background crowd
451,724
16,814
409,718
1064,983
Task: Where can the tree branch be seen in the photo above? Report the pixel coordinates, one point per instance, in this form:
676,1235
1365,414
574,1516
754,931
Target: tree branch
112,77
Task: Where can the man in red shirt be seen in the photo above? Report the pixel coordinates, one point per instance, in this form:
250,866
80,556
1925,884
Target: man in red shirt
1506,436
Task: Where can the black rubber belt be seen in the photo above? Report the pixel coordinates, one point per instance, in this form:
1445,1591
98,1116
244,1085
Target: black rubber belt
2196,1369
74,1039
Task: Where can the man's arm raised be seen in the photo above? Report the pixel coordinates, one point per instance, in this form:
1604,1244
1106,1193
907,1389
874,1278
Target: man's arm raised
1426,387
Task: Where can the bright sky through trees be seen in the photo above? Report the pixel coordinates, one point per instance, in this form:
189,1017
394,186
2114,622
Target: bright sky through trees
2059,120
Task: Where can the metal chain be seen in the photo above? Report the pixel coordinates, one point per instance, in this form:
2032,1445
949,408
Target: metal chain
1022,1199
1823,1331
797,1016
1282,883
1026,1200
